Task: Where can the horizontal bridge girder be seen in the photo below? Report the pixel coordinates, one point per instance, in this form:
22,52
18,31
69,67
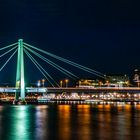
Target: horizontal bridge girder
28,90
94,90
71,89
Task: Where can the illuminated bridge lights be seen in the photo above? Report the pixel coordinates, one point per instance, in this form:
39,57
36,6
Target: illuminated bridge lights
80,92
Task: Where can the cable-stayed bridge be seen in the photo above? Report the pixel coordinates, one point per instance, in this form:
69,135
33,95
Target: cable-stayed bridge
20,88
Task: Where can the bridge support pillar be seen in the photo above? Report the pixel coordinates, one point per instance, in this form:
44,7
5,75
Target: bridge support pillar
20,83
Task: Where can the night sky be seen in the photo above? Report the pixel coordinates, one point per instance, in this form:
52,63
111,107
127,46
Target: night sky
102,35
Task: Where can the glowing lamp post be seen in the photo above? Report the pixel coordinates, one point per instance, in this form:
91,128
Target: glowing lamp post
43,82
61,83
107,83
66,82
38,83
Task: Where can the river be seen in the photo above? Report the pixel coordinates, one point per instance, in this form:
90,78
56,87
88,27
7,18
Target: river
70,122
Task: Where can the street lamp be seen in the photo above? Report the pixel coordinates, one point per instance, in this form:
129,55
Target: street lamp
66,82
43,82
38,83
107,82
79,83
61,83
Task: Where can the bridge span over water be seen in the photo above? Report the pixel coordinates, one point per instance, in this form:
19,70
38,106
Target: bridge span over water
20,86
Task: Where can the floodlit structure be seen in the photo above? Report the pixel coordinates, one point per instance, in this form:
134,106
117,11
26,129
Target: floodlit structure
85,85
117,80
24,48
88,83
20,82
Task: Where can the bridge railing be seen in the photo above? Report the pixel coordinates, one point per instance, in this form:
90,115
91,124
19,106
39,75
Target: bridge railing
47,89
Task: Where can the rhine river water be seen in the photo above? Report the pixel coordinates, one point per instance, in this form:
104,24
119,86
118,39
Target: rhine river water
70,122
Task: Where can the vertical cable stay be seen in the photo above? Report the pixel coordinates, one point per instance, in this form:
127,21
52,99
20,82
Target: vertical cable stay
40,67
8,46
8,60
61,69
7,52
68,61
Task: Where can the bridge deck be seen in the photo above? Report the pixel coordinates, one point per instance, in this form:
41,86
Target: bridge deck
72,89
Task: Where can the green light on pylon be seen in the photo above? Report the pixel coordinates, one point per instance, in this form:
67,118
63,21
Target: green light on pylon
20,83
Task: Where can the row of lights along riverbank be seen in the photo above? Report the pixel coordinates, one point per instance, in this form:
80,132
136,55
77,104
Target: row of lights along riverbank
41,82
114,96
63,83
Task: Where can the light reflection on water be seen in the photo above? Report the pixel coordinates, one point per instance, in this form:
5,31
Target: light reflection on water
15,122
21,123
41,121
84,123
68,122
64,128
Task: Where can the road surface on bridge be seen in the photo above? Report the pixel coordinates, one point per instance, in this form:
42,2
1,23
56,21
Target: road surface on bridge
72,89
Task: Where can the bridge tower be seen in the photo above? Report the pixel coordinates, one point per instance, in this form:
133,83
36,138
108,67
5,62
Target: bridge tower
20,83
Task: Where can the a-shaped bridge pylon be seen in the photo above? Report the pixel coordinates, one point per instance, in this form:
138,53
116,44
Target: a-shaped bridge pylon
20,82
